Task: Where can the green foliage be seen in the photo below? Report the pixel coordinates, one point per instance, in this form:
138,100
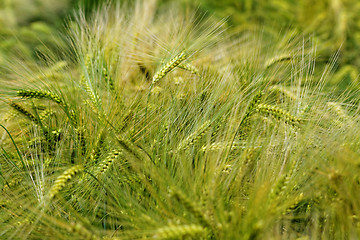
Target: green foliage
162,124
333,23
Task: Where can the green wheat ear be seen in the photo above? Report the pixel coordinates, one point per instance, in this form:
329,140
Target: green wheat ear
278,59
81,231
179,232
108,79
105,165
46,114
39,94
189,67
282,90
192,208
194,137
25,112
173,63
244,126
61,181
278,114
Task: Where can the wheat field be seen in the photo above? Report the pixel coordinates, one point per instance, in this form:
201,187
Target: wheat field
157,122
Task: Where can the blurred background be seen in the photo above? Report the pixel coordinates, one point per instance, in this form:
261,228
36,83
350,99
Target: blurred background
31,27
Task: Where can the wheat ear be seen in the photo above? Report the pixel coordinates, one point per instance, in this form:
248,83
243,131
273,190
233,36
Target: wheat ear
173,63
108,79
278,114
189,67
219,146
280,188
82,232
278,59
194,137
336,107
40,94
61,181
105,165
132,148
45,114
284,91
179,232
244,125
192,208
25,112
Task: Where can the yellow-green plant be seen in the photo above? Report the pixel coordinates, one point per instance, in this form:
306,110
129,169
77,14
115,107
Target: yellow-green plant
161,126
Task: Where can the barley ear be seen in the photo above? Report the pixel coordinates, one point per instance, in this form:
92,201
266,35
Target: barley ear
132,149
108,79
173,63
189,67
105,165
61,181
282,184
179,232
194,137
45,114
336,107
82,232
282,90
25,112
278,114
192,208
244,125
278,59
40,94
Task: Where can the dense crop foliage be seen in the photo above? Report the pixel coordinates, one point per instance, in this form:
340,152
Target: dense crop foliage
333,24
150,122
